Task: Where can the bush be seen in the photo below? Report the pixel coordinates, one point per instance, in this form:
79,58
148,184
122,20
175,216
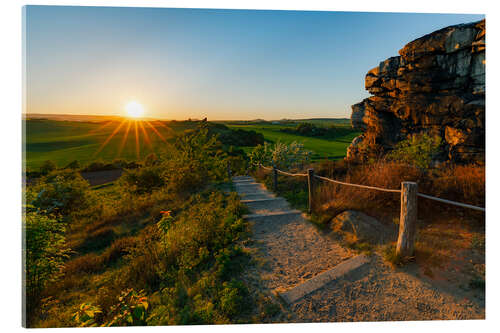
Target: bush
142,180
45,252
73,165
151,160
418,150
99,166
47,167
60,192
283,156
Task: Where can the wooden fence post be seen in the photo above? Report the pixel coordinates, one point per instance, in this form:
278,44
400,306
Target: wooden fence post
275,178
229,169
310,185
407,219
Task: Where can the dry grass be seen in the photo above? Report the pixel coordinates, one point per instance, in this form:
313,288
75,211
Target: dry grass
449,238
334,199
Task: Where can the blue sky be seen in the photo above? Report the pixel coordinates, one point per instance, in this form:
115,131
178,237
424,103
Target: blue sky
220,64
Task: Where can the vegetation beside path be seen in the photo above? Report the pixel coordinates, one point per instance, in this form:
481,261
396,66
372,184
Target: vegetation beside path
158,247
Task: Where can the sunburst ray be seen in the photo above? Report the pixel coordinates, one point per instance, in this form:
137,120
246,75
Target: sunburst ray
137,145
156,131
95,130
145,135
163,125
110,137
124,139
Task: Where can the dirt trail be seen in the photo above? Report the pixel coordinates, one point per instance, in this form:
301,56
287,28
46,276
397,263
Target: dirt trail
291,250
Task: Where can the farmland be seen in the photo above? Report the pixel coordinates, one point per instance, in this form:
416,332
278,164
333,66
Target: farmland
66,141
321,148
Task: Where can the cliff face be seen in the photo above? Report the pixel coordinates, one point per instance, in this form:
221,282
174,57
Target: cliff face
437,86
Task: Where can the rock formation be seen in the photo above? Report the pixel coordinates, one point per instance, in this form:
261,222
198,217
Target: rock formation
437,86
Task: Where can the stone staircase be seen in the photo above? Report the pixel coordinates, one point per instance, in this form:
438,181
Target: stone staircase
301,258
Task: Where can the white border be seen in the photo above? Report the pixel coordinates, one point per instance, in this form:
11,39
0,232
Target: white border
10,91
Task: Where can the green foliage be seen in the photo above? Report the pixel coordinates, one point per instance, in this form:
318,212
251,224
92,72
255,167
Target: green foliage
311,130
142,180
180,257
131,310
202,262
151,160
232,299
283,156
389,253
47,167
86,314
45,252
60,192
418,150
75,165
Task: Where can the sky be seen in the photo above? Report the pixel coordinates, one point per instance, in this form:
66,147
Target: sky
220,64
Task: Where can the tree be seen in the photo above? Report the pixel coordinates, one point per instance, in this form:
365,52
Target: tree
47,167
45,251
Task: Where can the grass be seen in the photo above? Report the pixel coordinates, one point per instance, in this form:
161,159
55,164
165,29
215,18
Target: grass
446,234
322,148
66,141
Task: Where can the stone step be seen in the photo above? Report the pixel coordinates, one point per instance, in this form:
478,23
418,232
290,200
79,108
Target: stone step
256,196
255,190
242,178
244,181
245,185
320,280
279,216
260,206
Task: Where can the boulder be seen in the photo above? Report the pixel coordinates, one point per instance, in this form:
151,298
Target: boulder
364,227
436,86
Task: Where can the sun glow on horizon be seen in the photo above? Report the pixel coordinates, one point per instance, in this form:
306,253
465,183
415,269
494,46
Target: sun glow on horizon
134,109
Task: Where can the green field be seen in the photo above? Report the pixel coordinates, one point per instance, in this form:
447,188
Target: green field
65,141
321,148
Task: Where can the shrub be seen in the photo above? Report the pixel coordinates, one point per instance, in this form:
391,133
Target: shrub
47,167
283,156
73,165
418,150
151,160
61,192
131,310
142,180
233,295
45,252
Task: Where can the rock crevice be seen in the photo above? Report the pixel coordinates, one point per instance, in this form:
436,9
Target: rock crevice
436,85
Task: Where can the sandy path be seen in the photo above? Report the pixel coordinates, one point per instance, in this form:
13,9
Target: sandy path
291,250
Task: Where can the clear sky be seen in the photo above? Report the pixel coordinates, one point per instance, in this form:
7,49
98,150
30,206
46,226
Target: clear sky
220,64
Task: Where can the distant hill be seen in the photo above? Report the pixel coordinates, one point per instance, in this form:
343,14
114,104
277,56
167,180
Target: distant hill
70,117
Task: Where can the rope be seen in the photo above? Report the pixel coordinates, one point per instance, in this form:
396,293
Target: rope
357,185
379,189
292,174
451,202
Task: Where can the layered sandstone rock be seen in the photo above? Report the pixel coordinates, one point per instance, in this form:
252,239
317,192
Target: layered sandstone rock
437,86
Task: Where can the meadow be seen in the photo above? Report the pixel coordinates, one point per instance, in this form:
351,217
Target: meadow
66,141
87,141
321,148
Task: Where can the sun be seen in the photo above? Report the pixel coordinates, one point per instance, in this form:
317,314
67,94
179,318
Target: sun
134,109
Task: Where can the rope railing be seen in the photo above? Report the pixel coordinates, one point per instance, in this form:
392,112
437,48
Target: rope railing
291,174
408,214
459,204
357,185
